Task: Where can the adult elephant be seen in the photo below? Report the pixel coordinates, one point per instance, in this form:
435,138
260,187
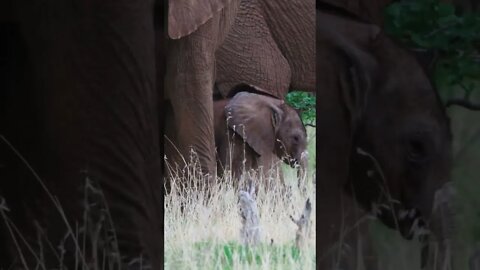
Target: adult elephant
276,55
79,152
385,142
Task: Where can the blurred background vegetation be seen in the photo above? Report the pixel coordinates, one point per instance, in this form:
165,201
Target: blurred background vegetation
445,35
305,103
450,42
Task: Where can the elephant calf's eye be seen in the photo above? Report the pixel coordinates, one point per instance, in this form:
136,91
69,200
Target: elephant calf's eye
417,150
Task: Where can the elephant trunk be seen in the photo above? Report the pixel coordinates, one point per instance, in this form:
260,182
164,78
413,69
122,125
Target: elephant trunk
302,169
437,248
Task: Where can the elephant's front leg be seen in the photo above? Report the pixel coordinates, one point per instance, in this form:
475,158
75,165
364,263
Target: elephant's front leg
190,77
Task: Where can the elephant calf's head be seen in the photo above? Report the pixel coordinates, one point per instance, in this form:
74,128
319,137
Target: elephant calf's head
268,125
291,137
400,138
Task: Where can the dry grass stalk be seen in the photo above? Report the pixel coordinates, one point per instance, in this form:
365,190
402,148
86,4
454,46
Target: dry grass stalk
250,231
303,224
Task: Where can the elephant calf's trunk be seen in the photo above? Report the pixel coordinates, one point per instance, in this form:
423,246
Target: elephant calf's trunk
302,170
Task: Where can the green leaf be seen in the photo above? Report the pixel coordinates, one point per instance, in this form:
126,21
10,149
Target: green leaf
305,102
227,251
431,25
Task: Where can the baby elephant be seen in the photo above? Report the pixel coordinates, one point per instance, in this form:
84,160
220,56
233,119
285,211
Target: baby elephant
254,131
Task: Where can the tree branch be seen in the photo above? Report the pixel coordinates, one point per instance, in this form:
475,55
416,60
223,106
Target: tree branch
310,125
464,103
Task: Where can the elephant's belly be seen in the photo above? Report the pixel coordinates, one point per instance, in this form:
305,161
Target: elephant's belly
250,55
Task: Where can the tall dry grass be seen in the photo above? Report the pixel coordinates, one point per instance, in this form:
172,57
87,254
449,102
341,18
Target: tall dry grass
204,233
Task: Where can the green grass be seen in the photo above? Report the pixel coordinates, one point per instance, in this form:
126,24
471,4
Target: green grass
231,254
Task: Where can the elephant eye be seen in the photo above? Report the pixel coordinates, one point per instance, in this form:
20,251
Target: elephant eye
417,149
296,138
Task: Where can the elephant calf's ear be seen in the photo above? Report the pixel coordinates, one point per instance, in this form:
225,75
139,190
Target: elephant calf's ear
252,116
356,81
277,115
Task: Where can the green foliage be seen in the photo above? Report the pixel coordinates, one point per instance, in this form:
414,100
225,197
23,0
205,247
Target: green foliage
305,103
454,40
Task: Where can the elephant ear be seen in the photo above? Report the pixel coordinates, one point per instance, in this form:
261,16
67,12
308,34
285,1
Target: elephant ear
256,118
351,42
185,16
356,81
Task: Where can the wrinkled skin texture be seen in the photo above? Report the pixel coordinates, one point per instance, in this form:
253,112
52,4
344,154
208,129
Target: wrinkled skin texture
82,104
202,55
188,91
373,97
271,46
185,17
268,129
